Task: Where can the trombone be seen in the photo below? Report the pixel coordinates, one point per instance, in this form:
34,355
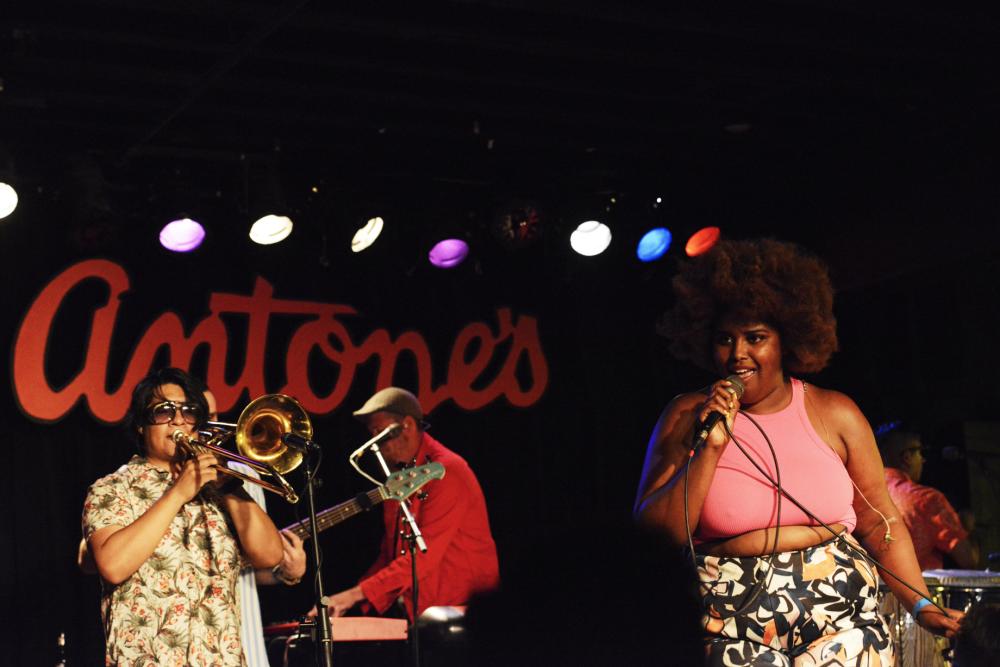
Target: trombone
259,433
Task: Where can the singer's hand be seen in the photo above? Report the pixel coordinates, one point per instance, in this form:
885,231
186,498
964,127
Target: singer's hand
930,618
723,400
194,474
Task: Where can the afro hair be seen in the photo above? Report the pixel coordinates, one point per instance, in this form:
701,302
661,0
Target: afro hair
763,280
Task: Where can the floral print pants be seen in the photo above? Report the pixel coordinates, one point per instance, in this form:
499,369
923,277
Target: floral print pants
816,607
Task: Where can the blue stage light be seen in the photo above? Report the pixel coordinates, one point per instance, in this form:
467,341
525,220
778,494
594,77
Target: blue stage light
653,244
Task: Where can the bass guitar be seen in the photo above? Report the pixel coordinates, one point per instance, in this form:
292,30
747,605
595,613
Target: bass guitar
400,486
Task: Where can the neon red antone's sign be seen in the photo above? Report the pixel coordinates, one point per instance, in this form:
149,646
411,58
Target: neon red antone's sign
321,340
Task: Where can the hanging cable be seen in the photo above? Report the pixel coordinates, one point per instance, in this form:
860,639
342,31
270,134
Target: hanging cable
751,595
782,492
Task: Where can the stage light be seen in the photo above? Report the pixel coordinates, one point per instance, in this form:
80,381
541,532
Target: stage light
364,237
702,241
8,200
271,229
517,224
448,253
653,244
182,235
590,238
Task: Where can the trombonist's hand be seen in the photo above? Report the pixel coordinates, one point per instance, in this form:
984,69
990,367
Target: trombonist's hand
228,485
194,474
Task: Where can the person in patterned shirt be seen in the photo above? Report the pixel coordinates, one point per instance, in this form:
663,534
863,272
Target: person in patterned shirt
933,523
169,538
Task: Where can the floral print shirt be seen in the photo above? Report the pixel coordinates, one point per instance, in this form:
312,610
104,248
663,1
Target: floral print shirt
181,606
933,523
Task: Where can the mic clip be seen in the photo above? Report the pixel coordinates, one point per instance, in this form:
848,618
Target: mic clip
297,441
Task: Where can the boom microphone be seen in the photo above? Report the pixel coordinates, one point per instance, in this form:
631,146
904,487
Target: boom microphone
713,417
388,433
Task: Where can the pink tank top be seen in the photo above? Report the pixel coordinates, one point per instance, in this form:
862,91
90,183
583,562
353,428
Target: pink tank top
741,500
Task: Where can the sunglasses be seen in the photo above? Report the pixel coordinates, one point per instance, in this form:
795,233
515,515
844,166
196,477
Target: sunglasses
163,413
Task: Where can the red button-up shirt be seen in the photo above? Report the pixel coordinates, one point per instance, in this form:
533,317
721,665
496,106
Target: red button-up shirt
461,557
932,521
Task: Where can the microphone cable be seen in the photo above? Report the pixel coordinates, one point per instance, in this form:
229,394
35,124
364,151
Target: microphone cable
750,596
776,484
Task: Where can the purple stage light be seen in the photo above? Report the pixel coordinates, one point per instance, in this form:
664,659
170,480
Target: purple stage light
448,253
182,235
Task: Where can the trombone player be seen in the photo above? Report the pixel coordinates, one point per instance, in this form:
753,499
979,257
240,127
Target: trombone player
169,538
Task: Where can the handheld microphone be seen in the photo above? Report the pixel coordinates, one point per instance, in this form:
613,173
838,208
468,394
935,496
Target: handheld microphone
713,417
388,433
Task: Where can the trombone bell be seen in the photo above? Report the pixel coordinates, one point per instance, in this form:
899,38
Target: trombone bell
262,424
259,435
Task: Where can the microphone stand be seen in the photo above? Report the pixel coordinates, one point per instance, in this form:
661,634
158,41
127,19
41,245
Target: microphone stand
415,540
414,628
322,616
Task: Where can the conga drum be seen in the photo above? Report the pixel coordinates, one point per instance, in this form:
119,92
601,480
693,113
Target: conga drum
955,589
963,589
914,646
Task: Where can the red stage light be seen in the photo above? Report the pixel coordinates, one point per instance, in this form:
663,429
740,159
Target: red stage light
702,241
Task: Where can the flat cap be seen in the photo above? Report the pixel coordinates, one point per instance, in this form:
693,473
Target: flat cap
392,399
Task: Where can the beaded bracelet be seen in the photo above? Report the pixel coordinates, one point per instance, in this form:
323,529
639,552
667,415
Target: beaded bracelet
921,603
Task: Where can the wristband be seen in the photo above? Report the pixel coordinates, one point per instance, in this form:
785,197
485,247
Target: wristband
921,603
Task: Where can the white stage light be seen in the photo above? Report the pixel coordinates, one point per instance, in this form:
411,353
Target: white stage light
8,200
364,237
590,238
271,229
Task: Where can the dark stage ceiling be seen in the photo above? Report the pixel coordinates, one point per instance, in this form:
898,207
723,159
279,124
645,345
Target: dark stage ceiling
844,126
